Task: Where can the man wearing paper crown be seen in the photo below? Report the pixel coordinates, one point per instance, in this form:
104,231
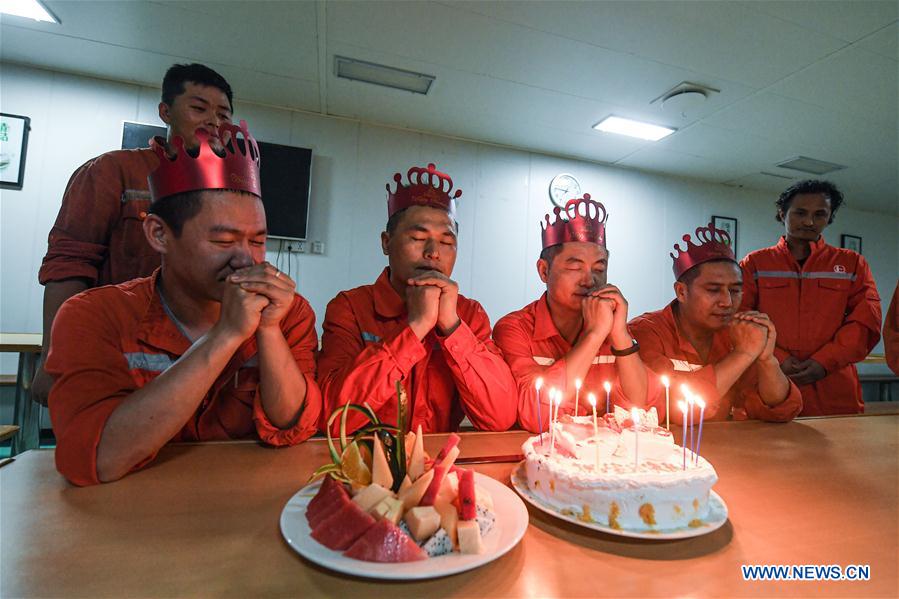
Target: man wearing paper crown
577,330
214,345
699,340
412,325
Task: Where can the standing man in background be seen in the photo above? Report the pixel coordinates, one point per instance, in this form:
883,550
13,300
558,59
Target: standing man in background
822,299
98,236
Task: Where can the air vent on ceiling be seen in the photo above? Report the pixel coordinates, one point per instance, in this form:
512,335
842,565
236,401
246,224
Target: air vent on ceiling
810,165
776,176
379,74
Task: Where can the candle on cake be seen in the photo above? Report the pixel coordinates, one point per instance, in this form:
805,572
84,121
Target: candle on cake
577,394
608,387
552,423
682,406
635,417
701,405
538,384
667,383
592,399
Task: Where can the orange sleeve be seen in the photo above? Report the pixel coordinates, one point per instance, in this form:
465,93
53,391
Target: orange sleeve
482,377
750,285
79,240
860,330
349,371
757,409
891,333
92,380
299,330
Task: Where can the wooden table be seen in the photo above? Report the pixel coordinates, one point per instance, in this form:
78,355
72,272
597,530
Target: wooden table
26,414
203,521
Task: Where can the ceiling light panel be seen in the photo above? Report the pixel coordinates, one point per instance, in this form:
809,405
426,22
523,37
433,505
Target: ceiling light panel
379,74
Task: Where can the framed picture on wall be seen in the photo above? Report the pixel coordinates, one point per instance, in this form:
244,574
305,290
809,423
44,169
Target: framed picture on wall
13,144
851,242
729,226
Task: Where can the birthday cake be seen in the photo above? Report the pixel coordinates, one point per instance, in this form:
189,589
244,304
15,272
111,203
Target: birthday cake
599,479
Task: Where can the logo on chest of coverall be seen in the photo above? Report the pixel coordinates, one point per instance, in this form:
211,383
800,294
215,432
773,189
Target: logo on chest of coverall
839,268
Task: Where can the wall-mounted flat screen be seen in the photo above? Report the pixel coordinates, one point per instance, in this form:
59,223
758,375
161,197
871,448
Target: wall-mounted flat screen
286,173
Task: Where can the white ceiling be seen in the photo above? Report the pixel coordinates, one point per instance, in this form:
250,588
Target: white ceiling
815,78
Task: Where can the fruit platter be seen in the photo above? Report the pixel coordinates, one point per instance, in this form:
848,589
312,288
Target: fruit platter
384,508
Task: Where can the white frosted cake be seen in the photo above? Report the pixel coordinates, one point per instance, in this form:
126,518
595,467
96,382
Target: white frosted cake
654,492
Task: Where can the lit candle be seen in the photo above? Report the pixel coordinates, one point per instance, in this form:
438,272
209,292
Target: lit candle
667,383
701,405
558,402
690,402
635,417
608,387
577,394
592,399
682,405
538,385
552,425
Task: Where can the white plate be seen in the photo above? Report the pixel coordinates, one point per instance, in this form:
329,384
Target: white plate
716,518
511,522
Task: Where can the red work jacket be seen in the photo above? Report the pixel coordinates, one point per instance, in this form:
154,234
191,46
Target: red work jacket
111,341
367,345
98,234
827,309
534,348
667,353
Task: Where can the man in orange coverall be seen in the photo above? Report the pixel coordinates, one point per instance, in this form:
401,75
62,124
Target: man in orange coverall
700,340
891,333
822,300
577,330
215,344
98,237
412,325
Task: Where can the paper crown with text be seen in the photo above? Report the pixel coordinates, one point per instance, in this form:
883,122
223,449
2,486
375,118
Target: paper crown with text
232,165
426,187
582,219
714,244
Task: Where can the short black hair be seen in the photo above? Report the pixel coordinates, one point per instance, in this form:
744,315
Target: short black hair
394,220
178,209
549,253
691,274
179,74
810,186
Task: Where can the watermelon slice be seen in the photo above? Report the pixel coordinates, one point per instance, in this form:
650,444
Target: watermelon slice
327,499
385,542
343,527
467,496
323,511
451,442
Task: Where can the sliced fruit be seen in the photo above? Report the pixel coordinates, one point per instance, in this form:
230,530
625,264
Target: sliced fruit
469,537
380,472
431,494
449,519
451,442
328,503
467,503
343,527
449,460
412,496
423,521
353,465
370,496
438,544
417,457
449,489
384,542
389,508
407,482
409,441
483,497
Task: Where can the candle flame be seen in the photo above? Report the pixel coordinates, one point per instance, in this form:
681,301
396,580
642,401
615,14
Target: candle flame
685,390
607,386
700,403
592,399
665,381
558,398
691,399
577,384
635,416
682,405
539,382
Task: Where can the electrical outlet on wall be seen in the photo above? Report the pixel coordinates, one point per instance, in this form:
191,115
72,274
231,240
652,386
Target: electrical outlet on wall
296,247
318,247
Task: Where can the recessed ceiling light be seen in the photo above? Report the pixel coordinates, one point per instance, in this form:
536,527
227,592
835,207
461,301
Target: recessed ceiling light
379,74
810,165
622,126
30,9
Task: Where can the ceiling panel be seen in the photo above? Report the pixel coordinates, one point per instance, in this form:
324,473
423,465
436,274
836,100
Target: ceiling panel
849,21
885,42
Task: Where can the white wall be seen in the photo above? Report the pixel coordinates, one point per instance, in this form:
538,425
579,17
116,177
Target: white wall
504,196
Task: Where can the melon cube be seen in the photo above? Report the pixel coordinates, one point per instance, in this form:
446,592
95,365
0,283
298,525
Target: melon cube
423,521
389,508
412,495
483,497
449,518
469,537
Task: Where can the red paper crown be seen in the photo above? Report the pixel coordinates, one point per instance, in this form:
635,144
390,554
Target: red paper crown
582,219
427,187
715,245
238,169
